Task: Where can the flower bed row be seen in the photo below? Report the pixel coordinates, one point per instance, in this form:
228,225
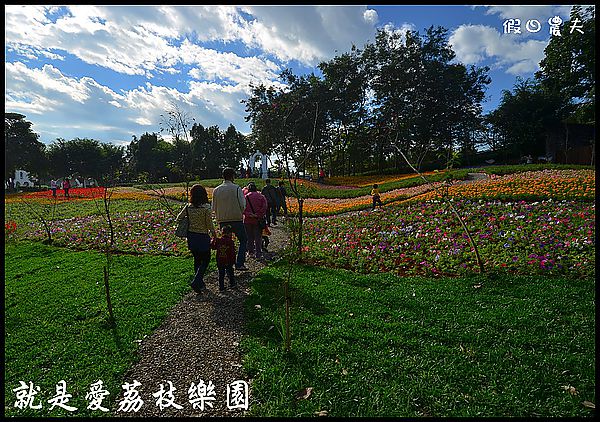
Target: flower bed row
426,238
77,194
534,185
135,232
313,207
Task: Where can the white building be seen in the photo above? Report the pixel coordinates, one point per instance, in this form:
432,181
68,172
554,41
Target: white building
78,182
22,178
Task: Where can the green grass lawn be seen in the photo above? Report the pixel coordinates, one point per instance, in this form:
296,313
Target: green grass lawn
56,319
380,345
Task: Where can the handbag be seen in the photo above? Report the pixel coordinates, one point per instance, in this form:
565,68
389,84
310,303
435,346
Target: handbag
184,225
262,223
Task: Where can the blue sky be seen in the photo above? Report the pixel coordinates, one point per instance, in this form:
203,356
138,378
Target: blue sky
109,72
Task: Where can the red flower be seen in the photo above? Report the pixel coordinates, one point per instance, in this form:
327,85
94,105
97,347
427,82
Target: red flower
10,227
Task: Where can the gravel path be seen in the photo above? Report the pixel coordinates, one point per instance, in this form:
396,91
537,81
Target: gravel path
476,177
199,340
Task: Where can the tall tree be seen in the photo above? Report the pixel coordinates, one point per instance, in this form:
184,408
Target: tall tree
22,149
569,66
236,147
77,157
523,116
345,76
422,100
265,109
86,158
148,157
112,163
206,147
178,123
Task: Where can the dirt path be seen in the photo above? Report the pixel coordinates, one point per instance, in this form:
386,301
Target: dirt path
199,340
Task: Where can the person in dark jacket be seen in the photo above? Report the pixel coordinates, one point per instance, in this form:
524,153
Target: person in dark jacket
270,192
282,195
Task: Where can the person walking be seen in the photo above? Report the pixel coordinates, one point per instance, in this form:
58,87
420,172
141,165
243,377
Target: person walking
66,186
198,239
282,195
53,187
228,204
225,256
376,196
270,192
321,178
254,214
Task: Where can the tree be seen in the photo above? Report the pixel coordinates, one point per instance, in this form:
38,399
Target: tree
422,101
293,124
112,163
148,157
266,114
86,158
568,69
177,123
236,147
345,76
523,117
207,150
22,149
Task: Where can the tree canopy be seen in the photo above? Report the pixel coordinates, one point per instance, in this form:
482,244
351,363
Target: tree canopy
22,149
403,90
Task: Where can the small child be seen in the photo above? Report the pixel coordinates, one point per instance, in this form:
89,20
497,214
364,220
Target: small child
265,238
225,256
376,196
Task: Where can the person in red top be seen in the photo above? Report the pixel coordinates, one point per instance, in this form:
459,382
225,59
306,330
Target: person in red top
66,186
225,256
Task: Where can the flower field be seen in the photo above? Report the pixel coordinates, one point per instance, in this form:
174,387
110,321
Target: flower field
138,232
313,207
530,222
426,238
77,194
536,185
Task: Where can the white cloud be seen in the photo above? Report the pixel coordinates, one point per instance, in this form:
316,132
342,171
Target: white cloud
402,30
142,40
476,43
370,16
143,121
68,107
49,79
306,34
154,42
213,65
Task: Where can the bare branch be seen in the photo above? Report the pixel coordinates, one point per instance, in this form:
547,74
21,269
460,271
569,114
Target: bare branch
437,189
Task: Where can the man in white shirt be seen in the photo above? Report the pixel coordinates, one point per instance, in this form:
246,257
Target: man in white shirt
228,204
53,186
